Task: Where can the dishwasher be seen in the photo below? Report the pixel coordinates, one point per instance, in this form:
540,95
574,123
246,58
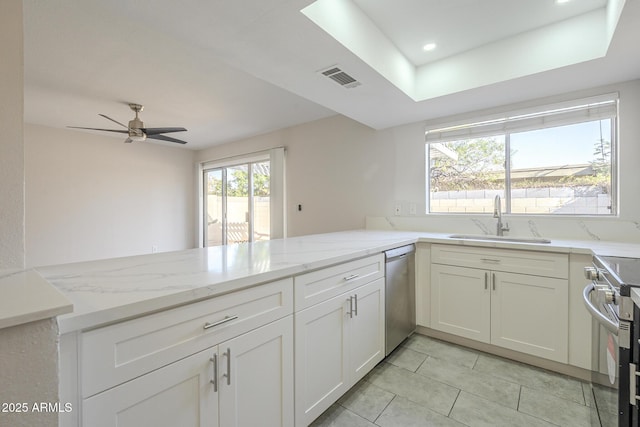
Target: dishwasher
400,306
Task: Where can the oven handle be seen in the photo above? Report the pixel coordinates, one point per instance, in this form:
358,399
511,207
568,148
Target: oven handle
608,324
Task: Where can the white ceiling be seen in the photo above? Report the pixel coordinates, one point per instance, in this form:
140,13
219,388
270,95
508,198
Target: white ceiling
228,70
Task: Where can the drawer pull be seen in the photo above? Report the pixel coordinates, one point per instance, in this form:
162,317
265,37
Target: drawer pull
491,260
351,277
219,322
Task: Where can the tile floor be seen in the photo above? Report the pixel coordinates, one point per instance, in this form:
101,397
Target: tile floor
426,382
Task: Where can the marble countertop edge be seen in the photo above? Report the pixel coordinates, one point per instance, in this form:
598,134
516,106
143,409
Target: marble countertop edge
27,297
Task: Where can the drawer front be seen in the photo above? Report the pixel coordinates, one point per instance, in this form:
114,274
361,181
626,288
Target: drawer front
317,286
512,261
120,352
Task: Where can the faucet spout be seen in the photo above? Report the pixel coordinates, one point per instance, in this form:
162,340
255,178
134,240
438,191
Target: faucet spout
497,213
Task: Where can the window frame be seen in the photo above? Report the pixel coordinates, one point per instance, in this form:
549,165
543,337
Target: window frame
276,158
577,111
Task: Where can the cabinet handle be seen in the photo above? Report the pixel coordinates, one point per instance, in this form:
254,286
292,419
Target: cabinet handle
350,313
491,260
493,280
486,281
351,277
219,322
214,380
355,311
228,374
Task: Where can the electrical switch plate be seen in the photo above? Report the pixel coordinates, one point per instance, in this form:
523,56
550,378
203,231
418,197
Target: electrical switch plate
398,210
154,249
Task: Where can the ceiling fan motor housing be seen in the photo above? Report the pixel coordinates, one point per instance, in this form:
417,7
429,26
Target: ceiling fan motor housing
135,130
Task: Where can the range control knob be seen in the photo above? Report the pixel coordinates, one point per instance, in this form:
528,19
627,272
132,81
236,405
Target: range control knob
609,296
591,273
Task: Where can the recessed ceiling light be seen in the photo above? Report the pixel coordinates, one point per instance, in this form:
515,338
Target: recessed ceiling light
562,1
429,46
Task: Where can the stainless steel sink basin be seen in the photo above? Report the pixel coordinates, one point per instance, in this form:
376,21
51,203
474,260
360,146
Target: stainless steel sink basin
499,238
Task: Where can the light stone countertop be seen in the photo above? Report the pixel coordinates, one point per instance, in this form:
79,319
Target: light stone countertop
27,297
108,291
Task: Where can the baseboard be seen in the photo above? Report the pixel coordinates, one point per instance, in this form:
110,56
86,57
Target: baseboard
561,368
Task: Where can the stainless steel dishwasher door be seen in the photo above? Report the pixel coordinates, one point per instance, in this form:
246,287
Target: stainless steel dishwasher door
399,295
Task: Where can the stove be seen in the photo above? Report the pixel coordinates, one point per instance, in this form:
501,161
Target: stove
625,270
615,340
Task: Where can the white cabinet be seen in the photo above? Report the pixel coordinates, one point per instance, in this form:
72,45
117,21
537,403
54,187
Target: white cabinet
521,312
225,361
246,381
336,343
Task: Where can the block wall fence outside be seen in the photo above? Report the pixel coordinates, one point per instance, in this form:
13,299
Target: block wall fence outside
583,200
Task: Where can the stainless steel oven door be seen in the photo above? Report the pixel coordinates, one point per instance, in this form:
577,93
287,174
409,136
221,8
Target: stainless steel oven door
604,357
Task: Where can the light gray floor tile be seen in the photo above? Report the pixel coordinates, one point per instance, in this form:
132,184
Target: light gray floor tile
338,416
402,412
417,388
477,412
556,384
404,357
442,350
558,411
366,400
606,398
487,386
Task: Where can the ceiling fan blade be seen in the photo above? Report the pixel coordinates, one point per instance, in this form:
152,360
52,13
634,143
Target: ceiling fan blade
166,138
156,131
105,130
114,121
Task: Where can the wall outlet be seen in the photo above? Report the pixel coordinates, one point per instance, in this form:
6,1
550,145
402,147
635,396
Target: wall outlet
154,249
398,210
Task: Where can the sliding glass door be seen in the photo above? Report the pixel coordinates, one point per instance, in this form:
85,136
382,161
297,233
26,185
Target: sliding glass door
237,203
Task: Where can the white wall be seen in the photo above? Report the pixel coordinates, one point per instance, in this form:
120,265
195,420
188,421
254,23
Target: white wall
337,169
11,143
91,197
28,353
342,171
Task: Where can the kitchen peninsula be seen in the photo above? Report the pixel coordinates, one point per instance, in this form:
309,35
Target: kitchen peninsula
138,321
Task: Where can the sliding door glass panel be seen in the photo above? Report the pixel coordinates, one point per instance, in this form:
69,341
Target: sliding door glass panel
213,206
562,170
466,175
237,191
261,178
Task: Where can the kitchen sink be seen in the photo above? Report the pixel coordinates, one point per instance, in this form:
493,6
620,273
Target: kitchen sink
499,238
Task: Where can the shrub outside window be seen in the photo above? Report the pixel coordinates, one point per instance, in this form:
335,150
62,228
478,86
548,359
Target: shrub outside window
559,161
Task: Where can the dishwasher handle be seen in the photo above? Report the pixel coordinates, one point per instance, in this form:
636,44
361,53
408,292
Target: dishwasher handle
400,252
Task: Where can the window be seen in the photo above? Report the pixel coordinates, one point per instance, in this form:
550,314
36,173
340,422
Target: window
243,199
558,161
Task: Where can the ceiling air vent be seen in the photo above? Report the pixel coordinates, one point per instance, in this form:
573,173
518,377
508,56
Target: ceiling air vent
340,77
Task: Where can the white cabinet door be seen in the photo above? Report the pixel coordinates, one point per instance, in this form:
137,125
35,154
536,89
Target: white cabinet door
180,394
320,357
461,301
366,329
256,377
529,314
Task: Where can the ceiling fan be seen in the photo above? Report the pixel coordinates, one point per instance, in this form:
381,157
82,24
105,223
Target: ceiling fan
137,131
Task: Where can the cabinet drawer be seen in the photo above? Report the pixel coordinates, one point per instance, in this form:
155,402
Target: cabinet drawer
513,261
120,352
317,286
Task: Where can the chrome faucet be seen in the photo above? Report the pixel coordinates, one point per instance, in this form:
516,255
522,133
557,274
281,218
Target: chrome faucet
497,213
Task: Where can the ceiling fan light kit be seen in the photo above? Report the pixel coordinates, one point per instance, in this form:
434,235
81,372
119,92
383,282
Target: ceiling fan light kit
136,130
